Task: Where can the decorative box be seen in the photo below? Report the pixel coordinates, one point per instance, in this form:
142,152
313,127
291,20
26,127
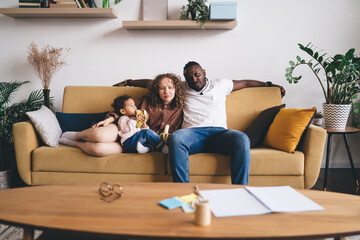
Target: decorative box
155,9
223,10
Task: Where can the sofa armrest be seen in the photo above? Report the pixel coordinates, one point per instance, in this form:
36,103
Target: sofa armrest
25,141
313,149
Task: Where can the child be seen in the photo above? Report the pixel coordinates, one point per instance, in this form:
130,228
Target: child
134,139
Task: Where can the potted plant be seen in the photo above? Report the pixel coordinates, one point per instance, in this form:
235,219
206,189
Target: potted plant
318,118
198,11
339,78
10,114
45,63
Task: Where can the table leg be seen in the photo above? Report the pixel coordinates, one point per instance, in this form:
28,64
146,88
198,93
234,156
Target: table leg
327,158
28,233
351,160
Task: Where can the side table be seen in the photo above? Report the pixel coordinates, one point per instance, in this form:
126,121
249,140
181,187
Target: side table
344,132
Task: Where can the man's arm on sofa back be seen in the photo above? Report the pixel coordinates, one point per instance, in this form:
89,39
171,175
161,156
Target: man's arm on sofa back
313,149
25,141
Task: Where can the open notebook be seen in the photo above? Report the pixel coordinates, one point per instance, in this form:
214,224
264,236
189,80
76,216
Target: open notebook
257,200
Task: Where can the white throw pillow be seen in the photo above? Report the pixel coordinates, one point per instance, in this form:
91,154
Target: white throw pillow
46,125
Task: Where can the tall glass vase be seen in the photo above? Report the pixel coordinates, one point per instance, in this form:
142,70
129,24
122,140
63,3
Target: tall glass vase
46,97
106,3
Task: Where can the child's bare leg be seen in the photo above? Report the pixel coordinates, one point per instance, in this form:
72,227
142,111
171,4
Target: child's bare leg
100,149
107,134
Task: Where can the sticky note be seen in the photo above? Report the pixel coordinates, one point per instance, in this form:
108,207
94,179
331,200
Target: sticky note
186,207
171,203
189,198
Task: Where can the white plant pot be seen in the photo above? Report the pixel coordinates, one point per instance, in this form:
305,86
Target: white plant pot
318,121
155,9
336,115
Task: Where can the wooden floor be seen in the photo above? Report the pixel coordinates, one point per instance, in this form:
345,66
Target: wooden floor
339,180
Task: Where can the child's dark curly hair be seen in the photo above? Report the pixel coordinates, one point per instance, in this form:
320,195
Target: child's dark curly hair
119,103
153,94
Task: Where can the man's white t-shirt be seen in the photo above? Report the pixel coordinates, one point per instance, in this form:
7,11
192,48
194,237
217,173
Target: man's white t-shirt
207,108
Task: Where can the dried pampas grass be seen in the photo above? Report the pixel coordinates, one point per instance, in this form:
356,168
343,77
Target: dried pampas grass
46,61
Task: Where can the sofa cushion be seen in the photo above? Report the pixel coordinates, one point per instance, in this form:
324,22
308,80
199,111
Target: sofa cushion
264,161
287,128
70,159
78,121
258,128
46,125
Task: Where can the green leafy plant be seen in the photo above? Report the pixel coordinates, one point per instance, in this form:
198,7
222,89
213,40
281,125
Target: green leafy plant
197,9
318,115
10,114
356,115
338,76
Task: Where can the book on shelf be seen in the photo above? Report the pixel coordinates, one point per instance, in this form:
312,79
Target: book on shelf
83,4
78,3
54,5
64,4
29,3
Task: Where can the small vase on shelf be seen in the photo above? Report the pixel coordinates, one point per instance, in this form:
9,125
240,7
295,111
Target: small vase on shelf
106,3
46,97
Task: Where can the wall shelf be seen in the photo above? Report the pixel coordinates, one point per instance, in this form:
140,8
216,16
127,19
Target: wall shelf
59,12
178,25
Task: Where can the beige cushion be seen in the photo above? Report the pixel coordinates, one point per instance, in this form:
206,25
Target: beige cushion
70,159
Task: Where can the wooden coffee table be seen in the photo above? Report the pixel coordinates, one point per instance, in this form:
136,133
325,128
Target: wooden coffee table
78,210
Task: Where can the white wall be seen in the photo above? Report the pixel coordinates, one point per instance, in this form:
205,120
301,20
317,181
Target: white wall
258,48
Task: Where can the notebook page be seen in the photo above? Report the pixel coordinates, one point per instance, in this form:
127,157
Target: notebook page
233,202
283,199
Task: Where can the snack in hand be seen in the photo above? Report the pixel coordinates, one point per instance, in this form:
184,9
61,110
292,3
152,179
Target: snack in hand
164,136
138,114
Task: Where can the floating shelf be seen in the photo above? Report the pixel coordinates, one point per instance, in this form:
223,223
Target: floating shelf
59,12
178,25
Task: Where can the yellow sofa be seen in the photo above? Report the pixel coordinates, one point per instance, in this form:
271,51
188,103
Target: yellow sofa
39,164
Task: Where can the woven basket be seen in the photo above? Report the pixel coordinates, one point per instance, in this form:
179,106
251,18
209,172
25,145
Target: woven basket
336,115
5,179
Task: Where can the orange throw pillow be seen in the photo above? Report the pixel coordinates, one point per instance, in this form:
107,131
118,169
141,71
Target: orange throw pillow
285,131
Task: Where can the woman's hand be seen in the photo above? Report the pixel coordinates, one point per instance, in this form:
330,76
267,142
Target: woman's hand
104,123
100,124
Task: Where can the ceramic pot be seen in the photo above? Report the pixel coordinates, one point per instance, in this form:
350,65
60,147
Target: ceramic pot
336,115
318,121
155,9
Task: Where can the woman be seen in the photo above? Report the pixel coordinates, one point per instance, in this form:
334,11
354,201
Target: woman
164,103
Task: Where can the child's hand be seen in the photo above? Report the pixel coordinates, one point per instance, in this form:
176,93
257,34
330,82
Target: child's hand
141,117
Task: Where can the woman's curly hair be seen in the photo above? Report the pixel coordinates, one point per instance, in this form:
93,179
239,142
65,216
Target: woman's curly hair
154,97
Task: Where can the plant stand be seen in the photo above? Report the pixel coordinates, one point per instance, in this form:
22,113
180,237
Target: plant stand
344,132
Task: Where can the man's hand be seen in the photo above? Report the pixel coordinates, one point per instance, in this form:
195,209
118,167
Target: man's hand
121,84
282,90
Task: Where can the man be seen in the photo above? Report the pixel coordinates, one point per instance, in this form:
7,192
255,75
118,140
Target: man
204,127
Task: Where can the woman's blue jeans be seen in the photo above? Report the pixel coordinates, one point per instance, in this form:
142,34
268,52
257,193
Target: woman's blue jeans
146,137
188,141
